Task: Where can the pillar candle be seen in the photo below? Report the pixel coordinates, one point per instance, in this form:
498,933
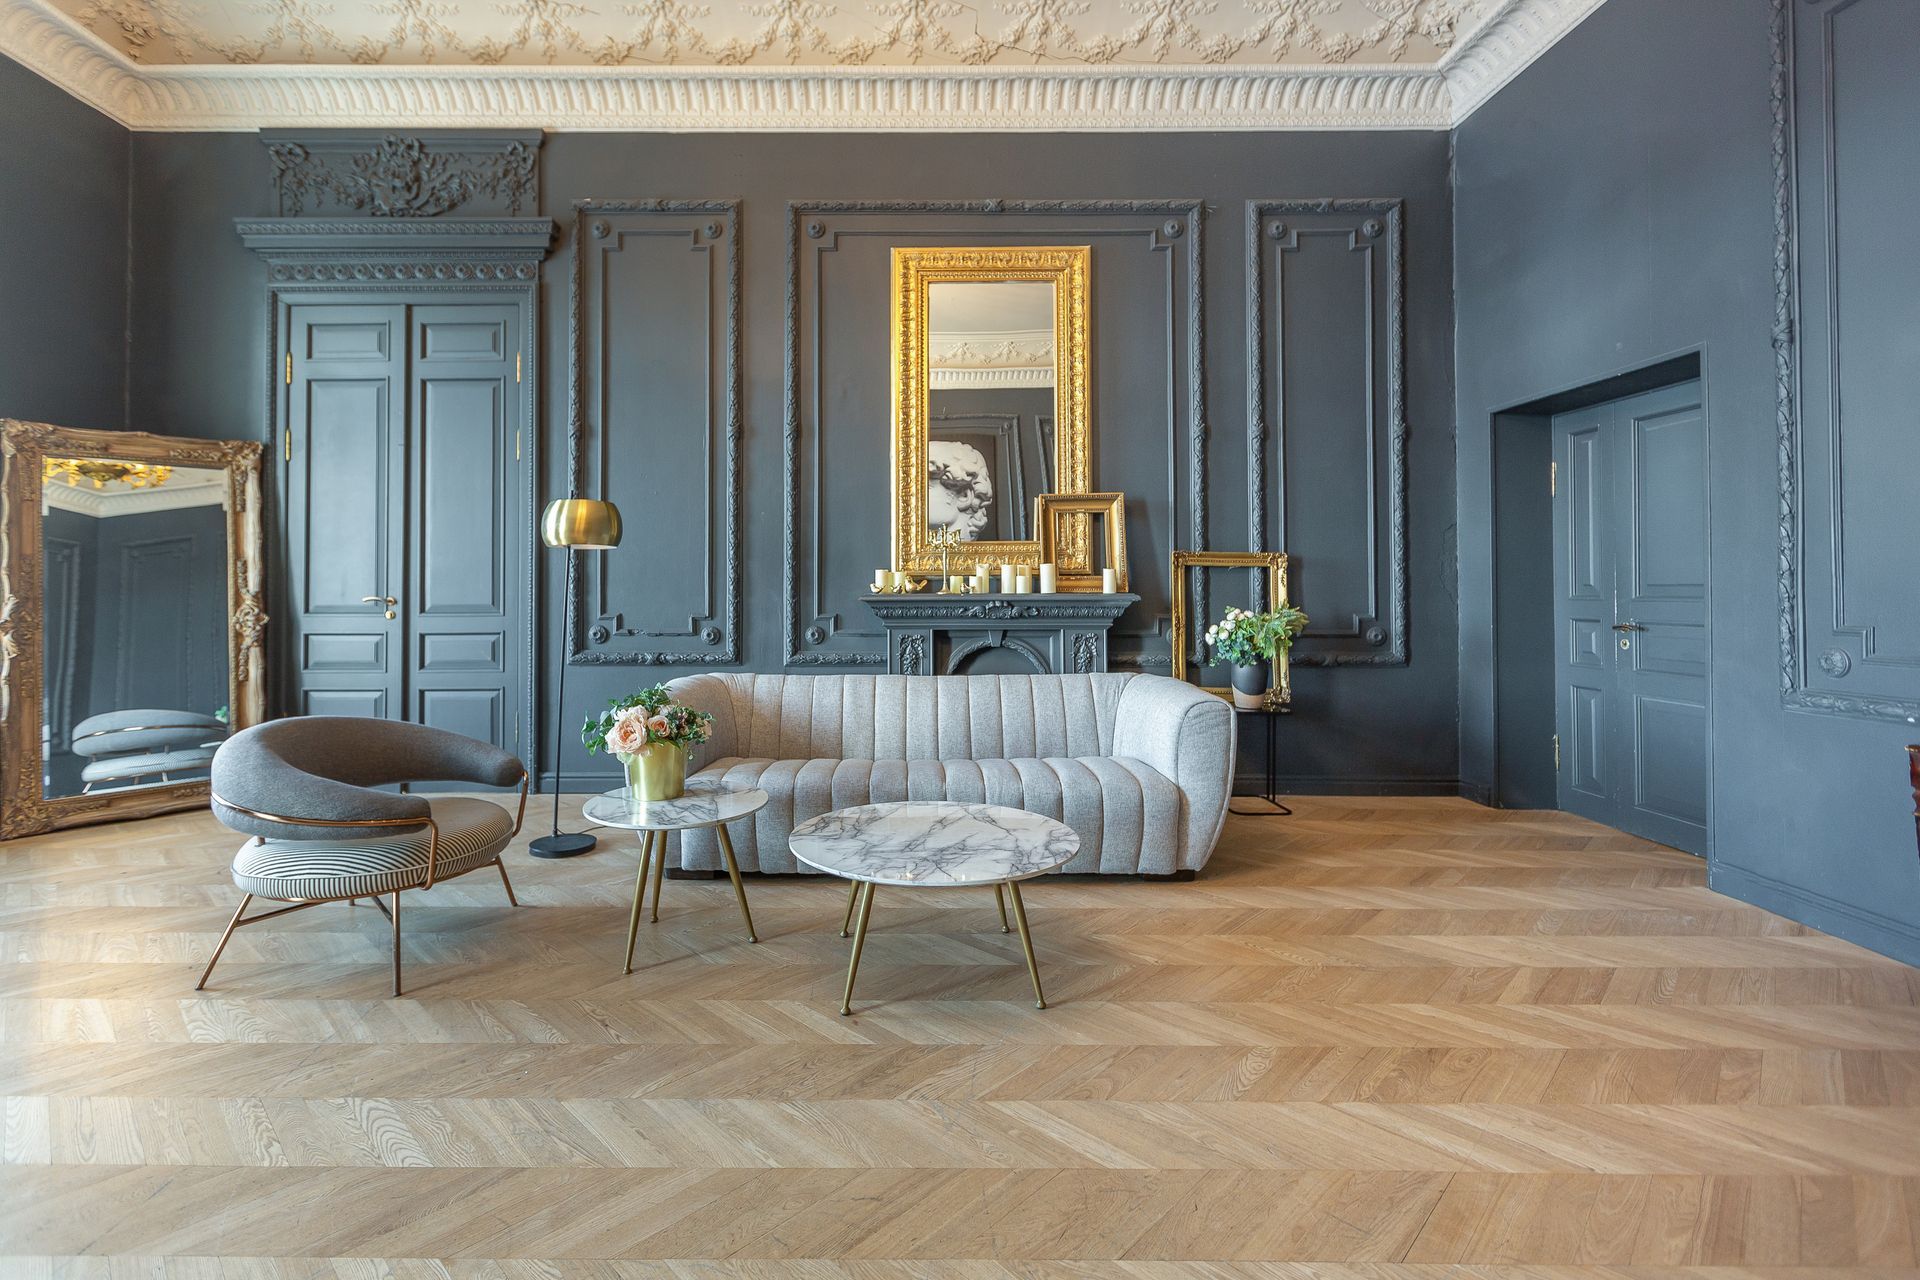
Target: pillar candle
1048,580
1008,579
1109,581
1023,583
882,578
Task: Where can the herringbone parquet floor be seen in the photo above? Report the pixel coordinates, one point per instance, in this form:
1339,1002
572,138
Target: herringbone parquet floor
1382,1039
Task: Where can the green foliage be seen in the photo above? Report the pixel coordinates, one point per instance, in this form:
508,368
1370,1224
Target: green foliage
1248,639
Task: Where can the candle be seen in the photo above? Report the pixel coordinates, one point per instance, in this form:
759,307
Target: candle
1109,581
1049,580
1023,583
982,580
1008,579
881,579
953,584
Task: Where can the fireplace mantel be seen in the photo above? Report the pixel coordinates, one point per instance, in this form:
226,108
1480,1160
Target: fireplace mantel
1062,633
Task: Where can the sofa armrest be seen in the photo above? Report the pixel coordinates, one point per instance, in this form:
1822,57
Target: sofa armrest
1190,736
710,693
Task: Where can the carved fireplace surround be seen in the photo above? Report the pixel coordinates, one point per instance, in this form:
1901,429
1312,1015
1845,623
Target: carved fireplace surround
932,635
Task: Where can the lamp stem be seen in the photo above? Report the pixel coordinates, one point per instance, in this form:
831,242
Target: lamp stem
560,845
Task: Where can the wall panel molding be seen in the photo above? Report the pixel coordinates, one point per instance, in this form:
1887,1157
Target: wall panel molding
1828,664
1377,636
707,226
1167,224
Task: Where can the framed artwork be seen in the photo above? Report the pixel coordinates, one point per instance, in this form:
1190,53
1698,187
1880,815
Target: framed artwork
1275,564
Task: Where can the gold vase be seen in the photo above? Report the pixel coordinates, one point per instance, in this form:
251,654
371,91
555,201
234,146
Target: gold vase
656,772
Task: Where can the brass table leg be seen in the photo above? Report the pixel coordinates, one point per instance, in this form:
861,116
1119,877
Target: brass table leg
1026,943
853,899
733,869
639,896
659,873
1000,900
859,940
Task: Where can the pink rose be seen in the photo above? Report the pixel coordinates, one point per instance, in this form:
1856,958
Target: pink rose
659,727
628,735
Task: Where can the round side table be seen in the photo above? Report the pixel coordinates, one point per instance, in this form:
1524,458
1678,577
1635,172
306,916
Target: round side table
928,844
708,802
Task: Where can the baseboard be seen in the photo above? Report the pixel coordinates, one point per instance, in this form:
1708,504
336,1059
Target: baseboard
1478,792
1253,784
1888,936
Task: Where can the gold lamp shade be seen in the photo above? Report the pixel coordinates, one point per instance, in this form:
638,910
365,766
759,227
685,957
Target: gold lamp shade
587,523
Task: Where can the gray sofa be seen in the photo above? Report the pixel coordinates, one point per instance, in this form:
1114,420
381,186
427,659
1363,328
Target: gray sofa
1140,766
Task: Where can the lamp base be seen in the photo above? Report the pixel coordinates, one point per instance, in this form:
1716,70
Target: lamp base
565,845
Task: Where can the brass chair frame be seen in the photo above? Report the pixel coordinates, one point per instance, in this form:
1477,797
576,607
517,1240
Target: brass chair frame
393,914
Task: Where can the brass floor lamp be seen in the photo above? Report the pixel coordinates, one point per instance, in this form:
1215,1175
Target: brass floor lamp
573,525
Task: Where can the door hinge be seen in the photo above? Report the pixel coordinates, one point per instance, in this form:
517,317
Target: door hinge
516,366
289,374
286,444
516,444
1553,479
1556,753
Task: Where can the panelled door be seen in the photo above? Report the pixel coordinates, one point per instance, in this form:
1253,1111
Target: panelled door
1630,587
402,514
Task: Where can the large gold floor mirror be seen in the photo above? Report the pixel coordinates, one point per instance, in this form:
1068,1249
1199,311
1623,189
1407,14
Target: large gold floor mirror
131,620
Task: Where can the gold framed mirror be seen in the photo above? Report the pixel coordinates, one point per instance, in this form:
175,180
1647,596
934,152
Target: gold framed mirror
131,620
990,385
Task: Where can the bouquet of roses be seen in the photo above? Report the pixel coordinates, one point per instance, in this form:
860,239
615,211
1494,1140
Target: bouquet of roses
639,720
1247,639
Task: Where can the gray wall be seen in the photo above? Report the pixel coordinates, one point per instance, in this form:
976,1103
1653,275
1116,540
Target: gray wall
1615,206
63,271
199,368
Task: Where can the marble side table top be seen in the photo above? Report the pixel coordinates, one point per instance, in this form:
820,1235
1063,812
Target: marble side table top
707,803
933,843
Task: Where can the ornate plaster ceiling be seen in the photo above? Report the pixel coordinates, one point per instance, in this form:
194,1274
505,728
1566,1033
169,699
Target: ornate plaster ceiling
785,64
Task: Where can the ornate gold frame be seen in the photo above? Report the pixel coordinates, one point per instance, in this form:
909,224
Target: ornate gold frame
1111,507
1068,268
1280,692
23,447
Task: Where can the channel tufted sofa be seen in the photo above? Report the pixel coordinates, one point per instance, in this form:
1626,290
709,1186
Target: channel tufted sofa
1140,766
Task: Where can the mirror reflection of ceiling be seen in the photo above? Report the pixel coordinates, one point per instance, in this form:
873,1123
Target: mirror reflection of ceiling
1412,33
990,334
76,490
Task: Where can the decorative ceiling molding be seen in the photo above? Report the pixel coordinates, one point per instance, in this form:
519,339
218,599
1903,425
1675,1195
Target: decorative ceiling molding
1051,96
188,488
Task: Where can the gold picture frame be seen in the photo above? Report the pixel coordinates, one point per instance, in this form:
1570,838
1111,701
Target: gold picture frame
1280,690
915,270
25,448
1110,507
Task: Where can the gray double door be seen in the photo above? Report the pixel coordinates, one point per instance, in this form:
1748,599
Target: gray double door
406,518
1630,588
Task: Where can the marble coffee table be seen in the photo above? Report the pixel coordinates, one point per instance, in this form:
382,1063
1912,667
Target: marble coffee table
923,844
708,802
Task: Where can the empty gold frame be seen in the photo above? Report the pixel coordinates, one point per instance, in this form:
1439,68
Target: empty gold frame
1275,563
1048,510
1045,351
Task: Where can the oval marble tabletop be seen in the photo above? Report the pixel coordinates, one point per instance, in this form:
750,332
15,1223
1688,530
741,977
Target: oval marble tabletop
708,802
938,843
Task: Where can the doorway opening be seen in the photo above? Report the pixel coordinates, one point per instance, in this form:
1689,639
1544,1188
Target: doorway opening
1601,570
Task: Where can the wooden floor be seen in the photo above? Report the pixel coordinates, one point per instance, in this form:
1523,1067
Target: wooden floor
1383,1038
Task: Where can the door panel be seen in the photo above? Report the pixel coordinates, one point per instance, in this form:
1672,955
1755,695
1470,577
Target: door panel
465,426
346,441
1630,528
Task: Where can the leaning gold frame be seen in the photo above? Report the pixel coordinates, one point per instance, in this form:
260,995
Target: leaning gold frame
1280,692
1111,507
23,448
1068,268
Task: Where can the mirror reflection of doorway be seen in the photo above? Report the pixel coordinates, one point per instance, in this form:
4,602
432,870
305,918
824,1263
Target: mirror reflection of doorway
990,405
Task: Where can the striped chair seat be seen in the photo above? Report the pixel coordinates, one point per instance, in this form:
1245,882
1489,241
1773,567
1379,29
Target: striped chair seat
471,833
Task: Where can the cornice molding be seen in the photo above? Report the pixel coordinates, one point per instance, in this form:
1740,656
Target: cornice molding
692,99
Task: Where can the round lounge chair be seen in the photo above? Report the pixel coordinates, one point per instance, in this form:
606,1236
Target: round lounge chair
302,789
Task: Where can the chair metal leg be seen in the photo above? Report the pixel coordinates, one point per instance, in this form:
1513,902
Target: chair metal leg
853,900
859,940
222,944
639,896
659,873
739,891
501,863
1000,900
1026,944
396,942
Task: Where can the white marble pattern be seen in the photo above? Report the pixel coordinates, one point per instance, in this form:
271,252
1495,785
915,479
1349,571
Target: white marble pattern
707,803
934,843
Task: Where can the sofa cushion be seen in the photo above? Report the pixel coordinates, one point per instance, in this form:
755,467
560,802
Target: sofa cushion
1128,815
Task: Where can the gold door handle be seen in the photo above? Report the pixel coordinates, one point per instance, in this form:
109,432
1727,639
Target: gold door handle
1628,626
389,601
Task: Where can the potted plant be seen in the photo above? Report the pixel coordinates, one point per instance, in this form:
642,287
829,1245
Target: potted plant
1250,642
650,732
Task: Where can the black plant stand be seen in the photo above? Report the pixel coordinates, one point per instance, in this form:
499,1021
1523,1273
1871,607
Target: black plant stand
1271,714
